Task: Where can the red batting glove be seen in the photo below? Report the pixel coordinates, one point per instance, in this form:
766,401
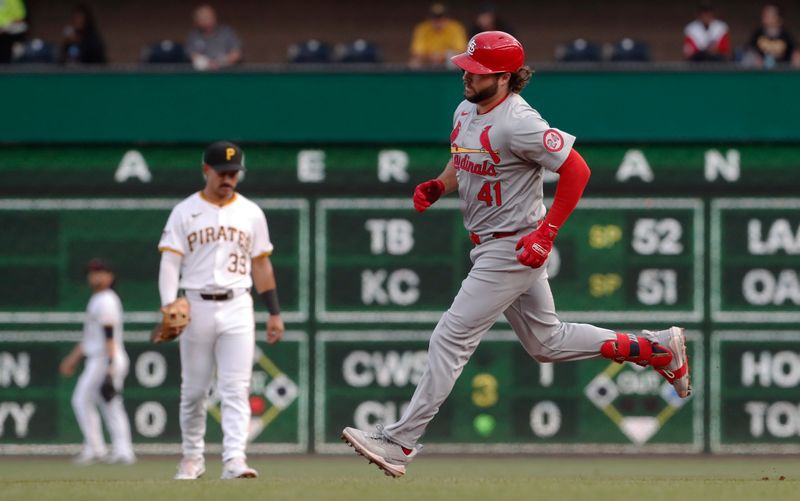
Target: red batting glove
537,245
427,193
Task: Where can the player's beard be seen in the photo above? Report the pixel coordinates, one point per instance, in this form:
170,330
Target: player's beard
487,93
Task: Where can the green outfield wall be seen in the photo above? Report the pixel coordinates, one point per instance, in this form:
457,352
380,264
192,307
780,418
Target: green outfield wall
348,107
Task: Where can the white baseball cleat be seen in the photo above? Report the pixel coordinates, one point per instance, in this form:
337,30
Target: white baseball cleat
237,468
677,371
190,468
86,459
390,457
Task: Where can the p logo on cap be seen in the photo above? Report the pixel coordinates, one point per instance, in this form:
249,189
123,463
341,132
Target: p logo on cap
229,153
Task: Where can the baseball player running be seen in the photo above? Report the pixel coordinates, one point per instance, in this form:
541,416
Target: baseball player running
213,243
500,149
100,383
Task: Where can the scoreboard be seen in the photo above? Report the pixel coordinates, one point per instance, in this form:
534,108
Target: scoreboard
755,405
695,235
755,260
504,401
36,414
55,238
618,260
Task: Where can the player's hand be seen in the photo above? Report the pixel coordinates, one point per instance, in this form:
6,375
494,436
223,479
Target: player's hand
536,245
427,193
175,316
67,366
275,329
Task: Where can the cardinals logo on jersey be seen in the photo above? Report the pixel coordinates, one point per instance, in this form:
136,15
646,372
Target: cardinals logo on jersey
454,134
461,157
484,140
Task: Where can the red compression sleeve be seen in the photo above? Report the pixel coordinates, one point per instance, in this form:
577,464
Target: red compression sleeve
574,174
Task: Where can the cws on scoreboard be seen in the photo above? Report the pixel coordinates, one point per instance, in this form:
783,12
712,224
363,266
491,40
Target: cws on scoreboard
503,401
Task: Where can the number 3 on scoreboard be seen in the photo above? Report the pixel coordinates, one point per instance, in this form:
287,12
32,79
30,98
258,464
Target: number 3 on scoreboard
485,194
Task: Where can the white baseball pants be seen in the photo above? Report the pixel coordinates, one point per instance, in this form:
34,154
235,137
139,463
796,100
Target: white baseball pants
86,399
221,334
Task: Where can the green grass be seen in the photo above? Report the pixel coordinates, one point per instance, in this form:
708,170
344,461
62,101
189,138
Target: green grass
429,478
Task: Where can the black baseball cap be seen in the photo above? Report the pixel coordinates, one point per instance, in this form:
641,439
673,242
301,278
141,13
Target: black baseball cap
224,156
98,264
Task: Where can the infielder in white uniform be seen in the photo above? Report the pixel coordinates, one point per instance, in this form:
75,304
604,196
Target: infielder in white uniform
500,149
100,383
214,241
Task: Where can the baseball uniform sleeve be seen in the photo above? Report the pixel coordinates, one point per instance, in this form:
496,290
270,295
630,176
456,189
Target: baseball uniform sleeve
172,239
261,243
533,140
107,311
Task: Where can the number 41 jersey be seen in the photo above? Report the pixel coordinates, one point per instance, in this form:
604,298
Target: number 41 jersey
499,157
217,243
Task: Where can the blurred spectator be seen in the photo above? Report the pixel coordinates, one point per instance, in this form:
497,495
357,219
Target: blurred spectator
210,45
12,27
771,43
706,38
82,42
487,20
436,39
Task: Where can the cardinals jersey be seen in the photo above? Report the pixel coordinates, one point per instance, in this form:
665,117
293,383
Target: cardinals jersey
500,157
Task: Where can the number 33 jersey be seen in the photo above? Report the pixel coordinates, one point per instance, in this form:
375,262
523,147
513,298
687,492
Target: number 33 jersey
499,157
217,243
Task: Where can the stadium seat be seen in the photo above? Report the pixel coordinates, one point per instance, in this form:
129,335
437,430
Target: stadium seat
37,51
310,51
165,52
579,50
628,50
357,51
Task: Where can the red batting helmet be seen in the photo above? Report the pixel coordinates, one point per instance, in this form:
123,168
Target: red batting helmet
491,52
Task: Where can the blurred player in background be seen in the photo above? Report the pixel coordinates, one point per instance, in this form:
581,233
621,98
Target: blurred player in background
100,383
500,149
215,246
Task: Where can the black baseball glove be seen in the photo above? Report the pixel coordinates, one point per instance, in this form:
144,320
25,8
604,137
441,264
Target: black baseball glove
107,390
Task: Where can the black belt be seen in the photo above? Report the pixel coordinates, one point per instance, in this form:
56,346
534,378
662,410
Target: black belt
224,296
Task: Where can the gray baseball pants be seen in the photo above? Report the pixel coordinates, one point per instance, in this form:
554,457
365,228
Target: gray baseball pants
497,284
